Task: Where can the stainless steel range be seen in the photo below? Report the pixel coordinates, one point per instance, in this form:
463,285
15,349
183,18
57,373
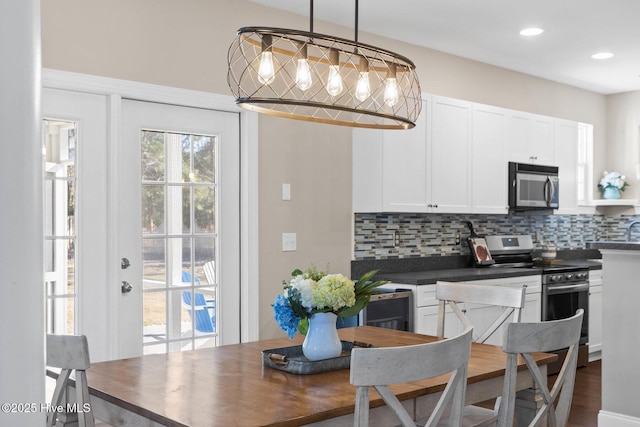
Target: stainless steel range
565,287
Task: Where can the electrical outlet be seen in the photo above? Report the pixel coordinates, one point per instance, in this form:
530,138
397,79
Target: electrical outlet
288,242
458,239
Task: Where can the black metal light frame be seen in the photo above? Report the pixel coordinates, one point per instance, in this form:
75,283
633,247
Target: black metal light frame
278,94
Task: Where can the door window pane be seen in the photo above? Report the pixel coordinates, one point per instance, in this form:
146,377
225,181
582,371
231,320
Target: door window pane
59,150
179,240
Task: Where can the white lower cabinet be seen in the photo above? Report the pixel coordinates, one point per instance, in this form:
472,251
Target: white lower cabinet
481,316
595,314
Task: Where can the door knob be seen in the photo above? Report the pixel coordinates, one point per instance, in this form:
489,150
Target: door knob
124,264
126,287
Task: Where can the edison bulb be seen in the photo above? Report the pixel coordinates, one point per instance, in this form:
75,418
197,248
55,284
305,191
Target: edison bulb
334,83
363,88
391,91
303,75
266,71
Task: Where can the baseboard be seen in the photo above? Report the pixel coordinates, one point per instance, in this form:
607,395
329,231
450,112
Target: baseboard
611,419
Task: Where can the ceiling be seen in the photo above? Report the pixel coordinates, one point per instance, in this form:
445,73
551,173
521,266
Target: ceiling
488,31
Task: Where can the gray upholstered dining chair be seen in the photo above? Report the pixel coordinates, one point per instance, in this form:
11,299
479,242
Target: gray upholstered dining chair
70,353
379,367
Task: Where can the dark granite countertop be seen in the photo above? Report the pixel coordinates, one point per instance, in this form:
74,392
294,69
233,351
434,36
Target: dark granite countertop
622,246
428,270
455,275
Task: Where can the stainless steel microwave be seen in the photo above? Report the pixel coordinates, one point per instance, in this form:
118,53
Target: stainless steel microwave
533,187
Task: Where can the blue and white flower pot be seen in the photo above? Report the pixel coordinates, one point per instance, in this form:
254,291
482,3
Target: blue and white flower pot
322,340
611,193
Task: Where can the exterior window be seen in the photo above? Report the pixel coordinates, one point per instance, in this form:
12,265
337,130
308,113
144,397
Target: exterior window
584,167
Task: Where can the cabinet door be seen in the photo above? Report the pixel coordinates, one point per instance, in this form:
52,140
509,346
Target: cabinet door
489,168
595,318
595,311
532,311
404,171
566,156
450,155
518,136
541,143
530,138
483,316
426,321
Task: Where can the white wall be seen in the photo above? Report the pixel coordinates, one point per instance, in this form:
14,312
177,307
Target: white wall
623,139
21,263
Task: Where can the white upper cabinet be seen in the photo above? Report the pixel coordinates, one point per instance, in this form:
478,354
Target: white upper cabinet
390,172
489,161
405,180
566,155
455,159
449,125
530,138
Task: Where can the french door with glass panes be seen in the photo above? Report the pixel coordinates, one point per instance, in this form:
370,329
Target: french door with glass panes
181,166
75,220
142,229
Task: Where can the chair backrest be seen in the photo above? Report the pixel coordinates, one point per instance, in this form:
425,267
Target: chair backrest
209,269
526,338
203,314
70,353
510,299
379,367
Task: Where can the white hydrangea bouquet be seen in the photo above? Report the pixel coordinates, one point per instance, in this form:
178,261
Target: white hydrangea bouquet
612,180
314,291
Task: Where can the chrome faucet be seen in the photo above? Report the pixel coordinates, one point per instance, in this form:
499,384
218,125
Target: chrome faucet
629,229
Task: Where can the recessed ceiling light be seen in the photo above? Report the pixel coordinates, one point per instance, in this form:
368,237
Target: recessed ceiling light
531,31
602,55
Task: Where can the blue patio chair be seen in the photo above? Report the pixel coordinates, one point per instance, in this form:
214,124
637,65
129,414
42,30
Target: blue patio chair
205,313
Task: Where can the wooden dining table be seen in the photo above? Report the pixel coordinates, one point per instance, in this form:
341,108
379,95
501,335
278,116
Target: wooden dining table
229,386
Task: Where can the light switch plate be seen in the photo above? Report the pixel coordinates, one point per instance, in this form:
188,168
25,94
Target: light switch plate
288,242
286,191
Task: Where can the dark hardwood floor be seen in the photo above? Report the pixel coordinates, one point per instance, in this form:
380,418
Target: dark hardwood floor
586,401
586,396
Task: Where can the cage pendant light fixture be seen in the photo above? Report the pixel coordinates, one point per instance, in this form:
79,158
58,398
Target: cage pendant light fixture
316,77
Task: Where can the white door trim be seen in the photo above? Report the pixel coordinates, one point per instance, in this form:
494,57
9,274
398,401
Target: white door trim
116,90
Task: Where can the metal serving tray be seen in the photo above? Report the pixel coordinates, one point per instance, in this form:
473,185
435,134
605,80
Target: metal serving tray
291,359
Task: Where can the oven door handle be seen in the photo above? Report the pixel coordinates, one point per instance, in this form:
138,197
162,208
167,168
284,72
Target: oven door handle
564,289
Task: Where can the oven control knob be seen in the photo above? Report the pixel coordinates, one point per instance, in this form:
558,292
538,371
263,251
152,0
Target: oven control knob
569,276
555,278
582,276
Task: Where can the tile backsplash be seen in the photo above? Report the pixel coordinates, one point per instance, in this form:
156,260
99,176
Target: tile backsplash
401,235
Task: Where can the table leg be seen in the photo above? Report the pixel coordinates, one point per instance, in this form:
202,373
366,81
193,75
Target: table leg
528,402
